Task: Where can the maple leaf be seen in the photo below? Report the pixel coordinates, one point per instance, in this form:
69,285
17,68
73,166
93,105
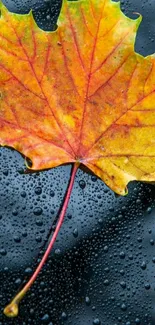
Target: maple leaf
79,94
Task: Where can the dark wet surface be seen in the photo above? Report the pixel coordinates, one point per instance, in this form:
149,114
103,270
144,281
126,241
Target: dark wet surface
102,268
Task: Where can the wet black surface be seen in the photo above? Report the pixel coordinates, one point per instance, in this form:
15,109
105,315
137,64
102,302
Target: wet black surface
102,268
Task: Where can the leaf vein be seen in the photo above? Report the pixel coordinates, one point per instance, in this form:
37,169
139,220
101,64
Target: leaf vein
75,39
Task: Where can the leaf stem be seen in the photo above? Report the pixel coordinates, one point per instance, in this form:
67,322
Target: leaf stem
12,309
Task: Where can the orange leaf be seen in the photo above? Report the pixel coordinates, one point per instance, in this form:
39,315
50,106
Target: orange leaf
79,94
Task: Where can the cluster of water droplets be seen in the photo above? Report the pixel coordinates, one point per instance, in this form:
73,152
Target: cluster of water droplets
101,270
45,12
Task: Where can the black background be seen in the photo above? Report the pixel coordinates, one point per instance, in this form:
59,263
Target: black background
102,268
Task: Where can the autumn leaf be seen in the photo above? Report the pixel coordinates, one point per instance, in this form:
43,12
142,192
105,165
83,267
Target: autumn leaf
79,94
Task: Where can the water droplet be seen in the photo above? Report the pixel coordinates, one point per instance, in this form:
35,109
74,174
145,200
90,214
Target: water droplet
106,282
82,184
147,286
38,190
123,307
87,301
96,321
143,265
16,239
75,232
106,249
3,252
45,318
123,284
38,211
152,242
64,316
122,255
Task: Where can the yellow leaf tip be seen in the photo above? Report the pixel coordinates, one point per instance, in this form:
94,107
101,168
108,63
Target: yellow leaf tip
139,19
125,191
122,191
28,163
